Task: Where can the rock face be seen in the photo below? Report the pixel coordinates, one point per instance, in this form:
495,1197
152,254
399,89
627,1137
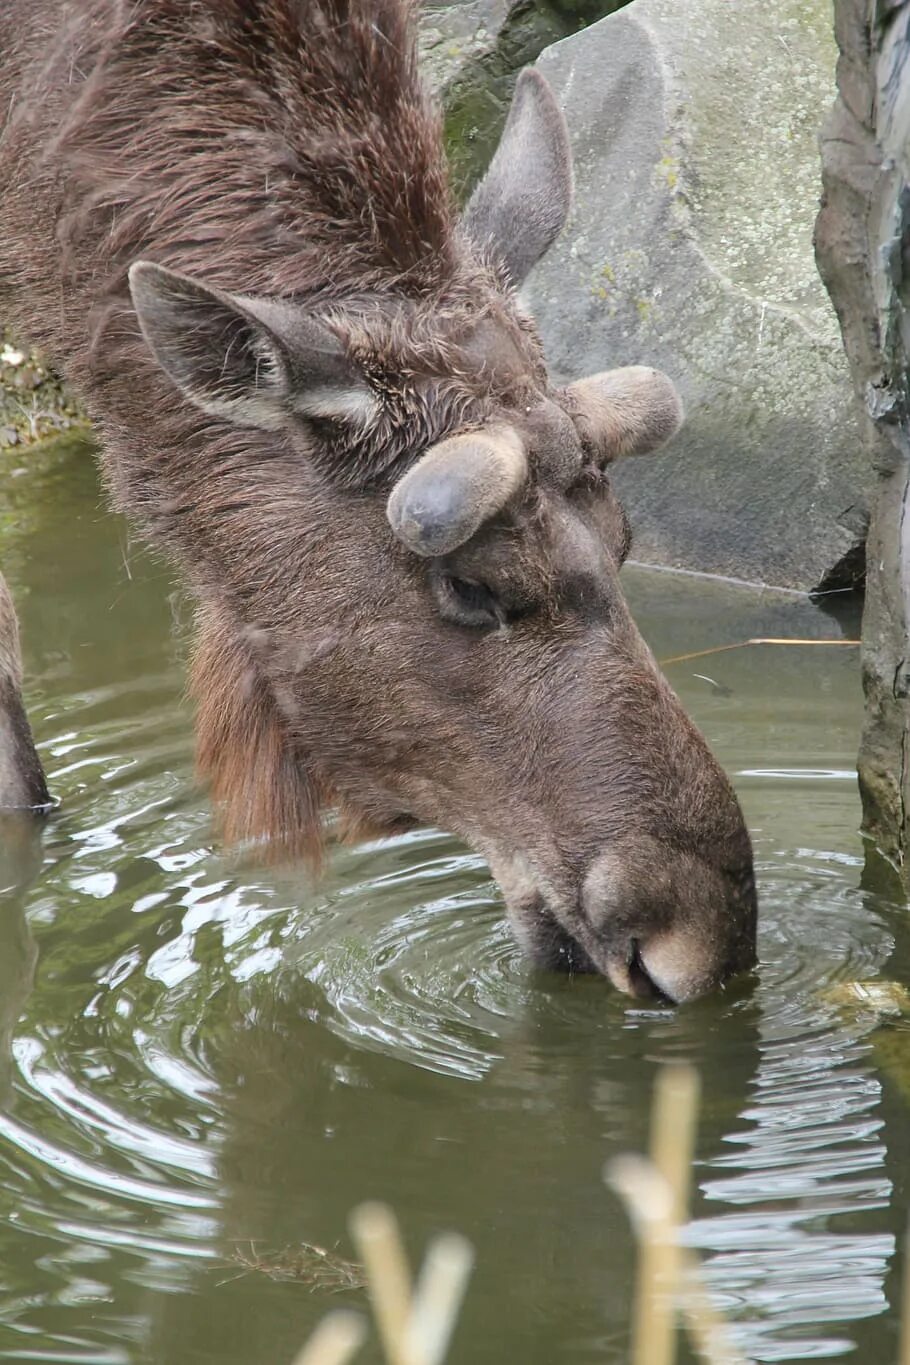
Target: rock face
695,125
863,248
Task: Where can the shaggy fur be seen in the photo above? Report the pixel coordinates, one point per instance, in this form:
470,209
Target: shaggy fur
291,142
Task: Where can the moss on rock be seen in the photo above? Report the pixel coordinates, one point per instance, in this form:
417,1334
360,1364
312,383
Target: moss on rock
473,51
34,404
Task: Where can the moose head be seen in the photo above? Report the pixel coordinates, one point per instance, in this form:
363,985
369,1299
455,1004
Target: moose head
411,597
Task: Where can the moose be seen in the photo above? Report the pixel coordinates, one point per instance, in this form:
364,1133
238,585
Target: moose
229,223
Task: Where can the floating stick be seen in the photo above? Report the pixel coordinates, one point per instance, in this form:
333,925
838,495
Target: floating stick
335,1340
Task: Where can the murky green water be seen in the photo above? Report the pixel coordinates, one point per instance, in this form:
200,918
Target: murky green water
204,1066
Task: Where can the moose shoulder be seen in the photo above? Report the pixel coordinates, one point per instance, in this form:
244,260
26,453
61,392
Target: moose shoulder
229,223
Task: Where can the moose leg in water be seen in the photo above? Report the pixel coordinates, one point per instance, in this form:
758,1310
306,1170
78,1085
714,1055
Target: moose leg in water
230,224
23,790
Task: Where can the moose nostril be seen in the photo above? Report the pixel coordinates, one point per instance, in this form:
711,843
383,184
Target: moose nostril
642,985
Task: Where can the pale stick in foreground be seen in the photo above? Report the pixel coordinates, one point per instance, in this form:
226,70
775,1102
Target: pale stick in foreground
656,1192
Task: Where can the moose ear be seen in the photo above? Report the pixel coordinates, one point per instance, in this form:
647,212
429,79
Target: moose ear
522,203
252,361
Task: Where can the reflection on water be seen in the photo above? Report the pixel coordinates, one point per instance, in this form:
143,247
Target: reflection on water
203,1066
810,1145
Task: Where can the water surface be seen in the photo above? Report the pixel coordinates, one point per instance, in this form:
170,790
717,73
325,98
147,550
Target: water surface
204,1066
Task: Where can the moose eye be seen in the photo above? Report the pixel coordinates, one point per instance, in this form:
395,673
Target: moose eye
468,603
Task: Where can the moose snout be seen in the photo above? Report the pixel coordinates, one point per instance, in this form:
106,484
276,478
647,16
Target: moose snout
660,921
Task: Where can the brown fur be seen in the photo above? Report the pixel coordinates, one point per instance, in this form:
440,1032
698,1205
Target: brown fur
283,154
267,796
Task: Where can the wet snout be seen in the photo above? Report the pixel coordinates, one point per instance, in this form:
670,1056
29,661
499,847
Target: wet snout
660,921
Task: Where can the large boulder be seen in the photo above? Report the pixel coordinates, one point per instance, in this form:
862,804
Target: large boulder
695,126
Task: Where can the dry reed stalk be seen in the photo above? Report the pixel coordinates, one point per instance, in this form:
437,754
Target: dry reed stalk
440,1293
656,1193
378,1241
708,1329
415,1327
741,644
649,1201
335,1340
673,1123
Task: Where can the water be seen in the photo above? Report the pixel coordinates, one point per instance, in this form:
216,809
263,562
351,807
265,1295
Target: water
204,1066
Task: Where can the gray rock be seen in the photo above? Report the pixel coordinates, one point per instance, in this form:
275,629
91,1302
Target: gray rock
457,34
695,124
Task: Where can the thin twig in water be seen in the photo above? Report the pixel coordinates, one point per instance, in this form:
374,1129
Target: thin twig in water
305,1263
741,644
